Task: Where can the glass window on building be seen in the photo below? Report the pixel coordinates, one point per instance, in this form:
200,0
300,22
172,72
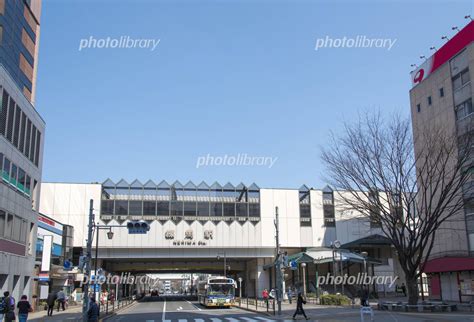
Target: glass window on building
6,169
28,185
135,205
177,197
21,179
9,226
203,197
10,119
21,145
149,198
16,128
216,196
464,109
190,200
253,198
14,174
241,201
3,218
329,211
28,139
3,112
305,206
163,203
461,79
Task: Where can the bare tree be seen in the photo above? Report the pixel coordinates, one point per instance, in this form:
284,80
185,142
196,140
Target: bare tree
374,163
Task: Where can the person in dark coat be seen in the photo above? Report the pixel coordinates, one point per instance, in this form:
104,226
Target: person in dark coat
52,297
93,312
299,307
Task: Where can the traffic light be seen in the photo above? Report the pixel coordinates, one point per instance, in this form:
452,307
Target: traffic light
138,227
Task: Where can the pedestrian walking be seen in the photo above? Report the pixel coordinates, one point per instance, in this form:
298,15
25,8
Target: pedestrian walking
61,300
93,312
290,295
8,307
265,296
24,307
52,297
299,307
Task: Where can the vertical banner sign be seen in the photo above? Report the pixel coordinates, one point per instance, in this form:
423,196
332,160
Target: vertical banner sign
47,248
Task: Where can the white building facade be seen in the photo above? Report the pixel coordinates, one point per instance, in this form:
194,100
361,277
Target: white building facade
194,227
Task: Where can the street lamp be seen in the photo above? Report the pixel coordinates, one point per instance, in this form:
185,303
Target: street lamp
225,262
364,255
110,235
334,245
303,265
240,290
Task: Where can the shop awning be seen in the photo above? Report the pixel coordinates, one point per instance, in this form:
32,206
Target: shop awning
324,255
449,264
372,240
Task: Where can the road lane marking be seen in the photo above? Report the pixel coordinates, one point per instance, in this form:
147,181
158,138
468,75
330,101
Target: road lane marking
182,320
232,319
249,319
264,319
164,311
216,320
198,320
194,306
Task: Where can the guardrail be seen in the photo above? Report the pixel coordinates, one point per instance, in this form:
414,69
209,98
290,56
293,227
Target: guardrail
255,303
110,306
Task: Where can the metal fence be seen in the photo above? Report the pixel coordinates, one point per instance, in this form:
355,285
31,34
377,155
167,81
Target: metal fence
255,303
111,306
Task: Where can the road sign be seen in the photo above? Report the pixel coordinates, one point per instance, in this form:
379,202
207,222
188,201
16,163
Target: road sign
294,265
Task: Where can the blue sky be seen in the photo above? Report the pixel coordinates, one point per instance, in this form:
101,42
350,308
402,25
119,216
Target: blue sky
227,77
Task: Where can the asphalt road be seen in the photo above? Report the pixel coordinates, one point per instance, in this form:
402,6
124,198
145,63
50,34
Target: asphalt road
170,310
185,310
178,309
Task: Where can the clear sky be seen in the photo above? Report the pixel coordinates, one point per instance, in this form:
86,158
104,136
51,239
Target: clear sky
227,77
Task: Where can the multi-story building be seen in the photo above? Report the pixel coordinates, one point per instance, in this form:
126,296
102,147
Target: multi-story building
442,97
21,145
201,228
53,250
19,39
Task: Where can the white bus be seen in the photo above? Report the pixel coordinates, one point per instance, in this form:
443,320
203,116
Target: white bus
217,292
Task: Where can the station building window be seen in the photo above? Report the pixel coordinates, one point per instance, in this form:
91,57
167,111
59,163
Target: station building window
175,201
305,206
328,207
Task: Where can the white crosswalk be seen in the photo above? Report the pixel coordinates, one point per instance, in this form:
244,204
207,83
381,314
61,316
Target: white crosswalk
223,319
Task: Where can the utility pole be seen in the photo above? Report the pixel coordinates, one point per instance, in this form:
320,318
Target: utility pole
87,270
279,280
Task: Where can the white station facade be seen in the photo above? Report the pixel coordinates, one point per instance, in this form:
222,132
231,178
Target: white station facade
194,227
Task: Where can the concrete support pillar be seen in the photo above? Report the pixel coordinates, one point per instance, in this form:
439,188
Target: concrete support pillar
261,277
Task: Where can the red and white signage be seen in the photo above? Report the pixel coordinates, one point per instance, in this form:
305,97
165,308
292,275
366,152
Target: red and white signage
444,54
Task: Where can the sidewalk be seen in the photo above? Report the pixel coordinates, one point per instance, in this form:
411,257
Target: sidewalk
72,313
